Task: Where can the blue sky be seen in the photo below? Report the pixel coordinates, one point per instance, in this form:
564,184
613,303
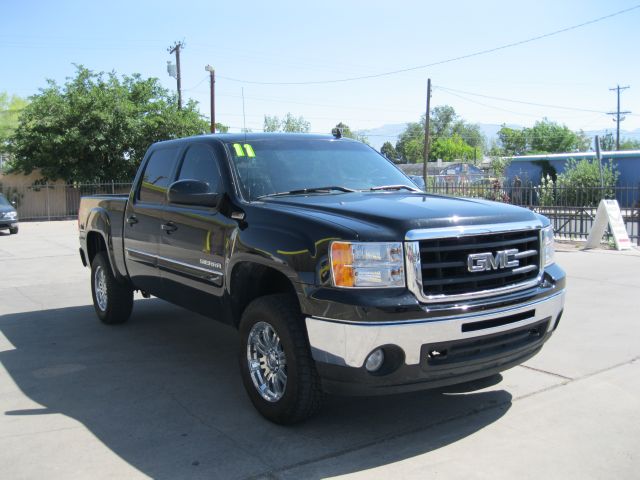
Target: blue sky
289,41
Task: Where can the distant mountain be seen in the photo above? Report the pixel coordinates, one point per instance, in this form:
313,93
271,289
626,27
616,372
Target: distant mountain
386,133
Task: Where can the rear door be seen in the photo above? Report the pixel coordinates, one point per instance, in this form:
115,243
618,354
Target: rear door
192,251
144,219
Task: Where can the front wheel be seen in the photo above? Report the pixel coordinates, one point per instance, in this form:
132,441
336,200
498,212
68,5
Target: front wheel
13,231
112,300
275,361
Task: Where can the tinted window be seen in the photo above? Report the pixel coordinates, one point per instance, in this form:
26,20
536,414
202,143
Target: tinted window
283,164
3,201
158,175
200,164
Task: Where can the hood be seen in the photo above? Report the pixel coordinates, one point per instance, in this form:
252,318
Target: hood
6,209
375,214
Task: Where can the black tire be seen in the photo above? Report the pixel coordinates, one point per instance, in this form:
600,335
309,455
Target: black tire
117,306
302,396
13,231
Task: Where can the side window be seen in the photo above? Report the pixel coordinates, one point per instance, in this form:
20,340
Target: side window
158,175
200,164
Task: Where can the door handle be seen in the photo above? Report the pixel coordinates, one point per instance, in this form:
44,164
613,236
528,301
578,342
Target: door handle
132,220
169,227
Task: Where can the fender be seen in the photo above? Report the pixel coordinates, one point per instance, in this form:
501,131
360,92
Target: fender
99,221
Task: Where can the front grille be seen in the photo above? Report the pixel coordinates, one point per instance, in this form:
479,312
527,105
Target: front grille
445,270
485,347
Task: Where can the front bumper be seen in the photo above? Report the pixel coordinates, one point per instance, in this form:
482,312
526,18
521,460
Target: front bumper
431,352
8,224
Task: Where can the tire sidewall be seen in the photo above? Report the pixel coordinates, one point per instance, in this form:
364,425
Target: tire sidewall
279,410
99,262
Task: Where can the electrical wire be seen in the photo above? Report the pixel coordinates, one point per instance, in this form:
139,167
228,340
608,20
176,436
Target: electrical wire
448,60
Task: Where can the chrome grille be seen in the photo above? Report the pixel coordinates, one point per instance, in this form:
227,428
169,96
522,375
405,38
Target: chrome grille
445,270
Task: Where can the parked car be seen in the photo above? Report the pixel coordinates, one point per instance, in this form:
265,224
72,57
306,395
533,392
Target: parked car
340,275
8,216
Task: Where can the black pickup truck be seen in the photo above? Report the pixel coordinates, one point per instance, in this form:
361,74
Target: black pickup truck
340,275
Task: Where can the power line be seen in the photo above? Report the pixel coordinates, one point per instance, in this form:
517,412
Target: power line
448,60
502,99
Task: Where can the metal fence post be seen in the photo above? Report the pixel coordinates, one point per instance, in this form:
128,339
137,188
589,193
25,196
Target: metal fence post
48,203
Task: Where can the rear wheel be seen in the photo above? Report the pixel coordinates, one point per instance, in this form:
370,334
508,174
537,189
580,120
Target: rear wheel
277,369
112,300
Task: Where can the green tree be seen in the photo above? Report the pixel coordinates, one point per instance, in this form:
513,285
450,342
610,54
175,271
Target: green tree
10,109
389,151
511,141
289,124
271,123
410,144
293,124
348,133
544,137
447,131
549,137
629,144
97,126
221,128
452,148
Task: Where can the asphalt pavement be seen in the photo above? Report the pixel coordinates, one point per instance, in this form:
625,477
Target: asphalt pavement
161,396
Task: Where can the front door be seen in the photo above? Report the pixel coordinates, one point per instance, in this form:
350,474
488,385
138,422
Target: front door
192,251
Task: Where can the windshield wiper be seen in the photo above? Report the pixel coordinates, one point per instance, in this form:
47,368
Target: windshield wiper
309,190
394,187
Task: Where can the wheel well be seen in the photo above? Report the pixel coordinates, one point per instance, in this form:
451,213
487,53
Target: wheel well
95,244
251,280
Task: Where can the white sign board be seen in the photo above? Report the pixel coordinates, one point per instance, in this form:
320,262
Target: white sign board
609,214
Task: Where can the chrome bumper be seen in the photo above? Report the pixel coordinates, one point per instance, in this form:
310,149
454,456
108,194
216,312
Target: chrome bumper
348,343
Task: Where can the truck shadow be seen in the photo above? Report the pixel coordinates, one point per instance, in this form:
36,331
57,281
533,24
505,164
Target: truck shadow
163,392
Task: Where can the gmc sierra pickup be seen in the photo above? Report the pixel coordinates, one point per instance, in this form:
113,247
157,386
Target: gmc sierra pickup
340,275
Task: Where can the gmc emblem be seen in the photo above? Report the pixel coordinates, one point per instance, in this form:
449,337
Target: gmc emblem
480,262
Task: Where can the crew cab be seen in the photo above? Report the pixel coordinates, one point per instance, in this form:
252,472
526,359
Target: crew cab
340,275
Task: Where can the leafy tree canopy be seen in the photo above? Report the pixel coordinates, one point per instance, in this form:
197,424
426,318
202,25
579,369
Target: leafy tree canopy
452,138
608,143
389,151
10,109
544,137
289,124
97,126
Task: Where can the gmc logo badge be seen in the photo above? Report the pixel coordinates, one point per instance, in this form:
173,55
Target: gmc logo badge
480,262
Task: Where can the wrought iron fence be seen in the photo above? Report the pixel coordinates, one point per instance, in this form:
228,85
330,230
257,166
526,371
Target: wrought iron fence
571,210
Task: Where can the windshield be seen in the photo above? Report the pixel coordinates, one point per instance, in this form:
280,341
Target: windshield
270,166
3,201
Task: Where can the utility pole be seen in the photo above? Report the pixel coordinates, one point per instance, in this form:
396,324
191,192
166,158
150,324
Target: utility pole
425,172
618,118
212,74
177,46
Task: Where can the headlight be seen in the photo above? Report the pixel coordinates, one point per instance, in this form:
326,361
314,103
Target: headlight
548,251
364,264
11,215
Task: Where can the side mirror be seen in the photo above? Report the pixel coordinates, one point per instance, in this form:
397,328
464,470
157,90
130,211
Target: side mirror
14,203
192,192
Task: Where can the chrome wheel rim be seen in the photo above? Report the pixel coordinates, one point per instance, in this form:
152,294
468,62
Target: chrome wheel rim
100,287
267,362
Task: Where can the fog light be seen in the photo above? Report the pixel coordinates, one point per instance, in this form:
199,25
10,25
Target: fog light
374,360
